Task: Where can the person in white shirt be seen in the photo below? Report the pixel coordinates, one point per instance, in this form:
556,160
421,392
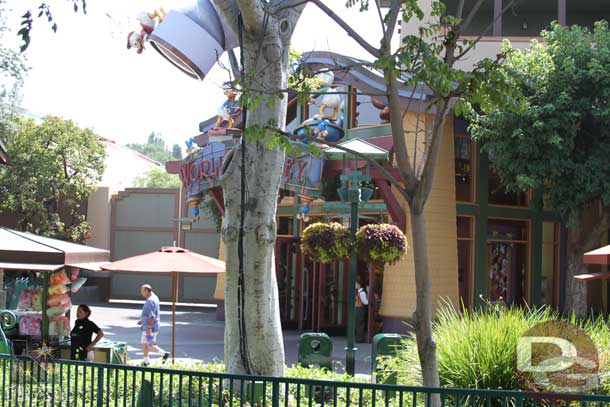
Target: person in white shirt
362,312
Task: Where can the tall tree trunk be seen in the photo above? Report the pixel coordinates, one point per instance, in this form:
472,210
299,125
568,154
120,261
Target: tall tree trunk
426,347
253,333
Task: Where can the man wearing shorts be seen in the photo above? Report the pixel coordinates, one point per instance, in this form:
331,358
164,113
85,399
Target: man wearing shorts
149,324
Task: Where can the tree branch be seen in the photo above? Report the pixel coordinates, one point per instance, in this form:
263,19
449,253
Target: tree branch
388,32
347,28
252,14
230,10
476,41
427,176
398,138
471,15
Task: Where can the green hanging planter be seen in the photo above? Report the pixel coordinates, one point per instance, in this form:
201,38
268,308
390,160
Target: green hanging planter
383,243
326,242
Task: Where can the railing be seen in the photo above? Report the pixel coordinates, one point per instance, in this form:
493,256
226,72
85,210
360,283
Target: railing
80,384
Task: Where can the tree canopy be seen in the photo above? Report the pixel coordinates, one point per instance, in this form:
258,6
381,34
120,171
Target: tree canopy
157,178
54,167
12,71
156,149
559,140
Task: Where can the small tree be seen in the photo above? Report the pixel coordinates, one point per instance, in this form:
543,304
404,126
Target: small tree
177,152
429,59
54,167
558,141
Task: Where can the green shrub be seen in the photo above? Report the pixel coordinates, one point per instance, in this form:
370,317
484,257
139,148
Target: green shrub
476,349
382,243
326,242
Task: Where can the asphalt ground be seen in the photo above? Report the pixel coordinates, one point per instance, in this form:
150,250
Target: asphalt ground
199,335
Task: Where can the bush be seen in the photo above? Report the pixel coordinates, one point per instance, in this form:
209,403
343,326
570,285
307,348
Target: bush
382,243
326,242
477,348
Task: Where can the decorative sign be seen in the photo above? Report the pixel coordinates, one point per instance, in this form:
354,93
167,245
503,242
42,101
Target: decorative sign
302,174
202,172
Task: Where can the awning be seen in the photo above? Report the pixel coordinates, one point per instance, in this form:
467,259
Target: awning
359,146
27,251
592,276
30,266
91,266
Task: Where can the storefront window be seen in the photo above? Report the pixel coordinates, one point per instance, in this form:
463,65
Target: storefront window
498,194
483,17
465,242
284,226
464,179
586,12
529,18
550,264
508,261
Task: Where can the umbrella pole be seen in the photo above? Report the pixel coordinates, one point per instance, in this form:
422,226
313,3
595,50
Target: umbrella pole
174,295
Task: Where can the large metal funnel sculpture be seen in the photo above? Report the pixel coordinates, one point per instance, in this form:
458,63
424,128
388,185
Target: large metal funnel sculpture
193,39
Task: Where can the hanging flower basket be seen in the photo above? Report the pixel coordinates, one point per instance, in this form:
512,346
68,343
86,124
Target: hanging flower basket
382,243
326,242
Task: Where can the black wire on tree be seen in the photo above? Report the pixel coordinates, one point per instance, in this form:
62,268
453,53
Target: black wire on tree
241,305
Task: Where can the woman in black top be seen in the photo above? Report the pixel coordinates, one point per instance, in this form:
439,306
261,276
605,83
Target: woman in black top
80,337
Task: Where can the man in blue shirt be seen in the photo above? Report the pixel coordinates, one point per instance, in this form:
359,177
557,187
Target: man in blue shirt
149,324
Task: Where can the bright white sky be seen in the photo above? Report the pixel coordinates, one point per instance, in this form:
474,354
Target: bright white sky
85,73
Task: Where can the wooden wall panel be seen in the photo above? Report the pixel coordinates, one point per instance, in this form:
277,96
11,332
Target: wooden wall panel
398,296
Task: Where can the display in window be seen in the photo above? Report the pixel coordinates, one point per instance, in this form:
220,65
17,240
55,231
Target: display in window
501,256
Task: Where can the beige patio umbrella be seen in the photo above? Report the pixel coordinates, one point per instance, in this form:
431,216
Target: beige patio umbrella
169,260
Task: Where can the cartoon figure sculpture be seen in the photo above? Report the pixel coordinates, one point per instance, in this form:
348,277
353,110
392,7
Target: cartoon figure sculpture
190,145
148,22
134,40
229,109
325,80
333,101
322,127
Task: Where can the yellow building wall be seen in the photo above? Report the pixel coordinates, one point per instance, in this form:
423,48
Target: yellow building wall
398,296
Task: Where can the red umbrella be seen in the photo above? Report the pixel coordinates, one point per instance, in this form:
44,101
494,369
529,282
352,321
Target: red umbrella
169,260
598,256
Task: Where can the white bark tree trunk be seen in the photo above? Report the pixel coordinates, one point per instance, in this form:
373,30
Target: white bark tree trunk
253,334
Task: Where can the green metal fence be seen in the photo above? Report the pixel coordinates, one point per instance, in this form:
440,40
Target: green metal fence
79,384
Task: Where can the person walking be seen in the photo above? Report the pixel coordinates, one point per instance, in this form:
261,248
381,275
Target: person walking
149,324
81,345
362,312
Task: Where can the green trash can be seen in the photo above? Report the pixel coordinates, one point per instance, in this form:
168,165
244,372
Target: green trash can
315,349
384,345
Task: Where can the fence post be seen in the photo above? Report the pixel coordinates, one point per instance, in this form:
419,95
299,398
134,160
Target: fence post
275,401
100,386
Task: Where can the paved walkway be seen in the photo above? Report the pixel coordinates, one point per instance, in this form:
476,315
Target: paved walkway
198,334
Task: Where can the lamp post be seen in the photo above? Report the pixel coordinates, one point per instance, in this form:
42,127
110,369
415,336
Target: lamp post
352,192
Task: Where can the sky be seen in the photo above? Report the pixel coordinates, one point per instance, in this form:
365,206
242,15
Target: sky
85,73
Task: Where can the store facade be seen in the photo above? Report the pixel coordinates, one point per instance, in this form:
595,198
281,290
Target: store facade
485,244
